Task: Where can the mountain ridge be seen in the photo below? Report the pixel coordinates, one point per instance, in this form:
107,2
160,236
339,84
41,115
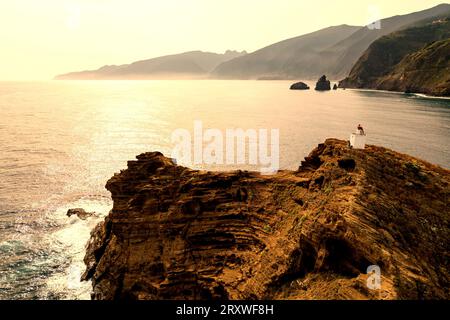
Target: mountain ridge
349,56
195,64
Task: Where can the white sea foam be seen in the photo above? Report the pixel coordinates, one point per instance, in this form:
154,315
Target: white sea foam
71,241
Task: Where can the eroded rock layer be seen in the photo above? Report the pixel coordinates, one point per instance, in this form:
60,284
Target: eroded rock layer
177,233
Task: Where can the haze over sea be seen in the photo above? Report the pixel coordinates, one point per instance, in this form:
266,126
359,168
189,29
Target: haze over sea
61,141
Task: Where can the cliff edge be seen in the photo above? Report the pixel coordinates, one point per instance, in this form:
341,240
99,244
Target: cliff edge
177,233
411,60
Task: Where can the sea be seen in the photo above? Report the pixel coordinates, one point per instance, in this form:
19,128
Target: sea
60,141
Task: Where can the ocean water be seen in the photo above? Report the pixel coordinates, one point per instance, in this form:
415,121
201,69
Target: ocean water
61,141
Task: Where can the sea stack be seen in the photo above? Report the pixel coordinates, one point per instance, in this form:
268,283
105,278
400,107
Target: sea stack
299,86
335,87
323,84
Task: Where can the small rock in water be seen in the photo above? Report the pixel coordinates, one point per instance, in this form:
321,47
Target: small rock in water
323,84
299,86
80,213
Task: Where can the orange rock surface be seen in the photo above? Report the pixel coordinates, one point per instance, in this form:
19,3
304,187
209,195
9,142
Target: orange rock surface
177,233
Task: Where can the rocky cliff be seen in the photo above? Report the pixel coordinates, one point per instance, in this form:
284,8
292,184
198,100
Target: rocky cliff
177,233
191,65
332,51
295,58
425,71
408,60
299,86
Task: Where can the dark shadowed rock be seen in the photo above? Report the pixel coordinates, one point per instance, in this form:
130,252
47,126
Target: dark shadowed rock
335,87
299,86
347,163
323,84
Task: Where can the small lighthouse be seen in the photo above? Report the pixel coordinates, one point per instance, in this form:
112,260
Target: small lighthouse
358,139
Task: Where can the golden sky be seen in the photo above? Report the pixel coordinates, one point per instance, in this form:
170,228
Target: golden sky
39,39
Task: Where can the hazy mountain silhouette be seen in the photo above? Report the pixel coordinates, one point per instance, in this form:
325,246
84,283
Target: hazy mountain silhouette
193,64
332,51
415,59
347,52
286,59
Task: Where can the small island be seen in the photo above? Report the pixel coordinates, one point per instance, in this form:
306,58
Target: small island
299,86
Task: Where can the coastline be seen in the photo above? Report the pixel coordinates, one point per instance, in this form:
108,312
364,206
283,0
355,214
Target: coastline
178,233
419,95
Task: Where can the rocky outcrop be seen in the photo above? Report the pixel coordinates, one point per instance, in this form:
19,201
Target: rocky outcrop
80,213
412,60
335,86
299,86
177,233
323,84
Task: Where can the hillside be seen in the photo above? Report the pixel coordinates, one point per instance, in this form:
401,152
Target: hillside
332,51
193,64
425,71
286,59
404,59
342,56
177,233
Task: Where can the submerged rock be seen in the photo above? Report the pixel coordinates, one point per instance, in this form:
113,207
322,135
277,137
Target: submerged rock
177,233
323,84
80,213
299,86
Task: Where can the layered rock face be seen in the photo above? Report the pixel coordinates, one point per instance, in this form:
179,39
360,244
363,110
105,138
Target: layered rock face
177,233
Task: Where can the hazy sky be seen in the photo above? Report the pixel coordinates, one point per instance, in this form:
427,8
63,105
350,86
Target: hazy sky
39,39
